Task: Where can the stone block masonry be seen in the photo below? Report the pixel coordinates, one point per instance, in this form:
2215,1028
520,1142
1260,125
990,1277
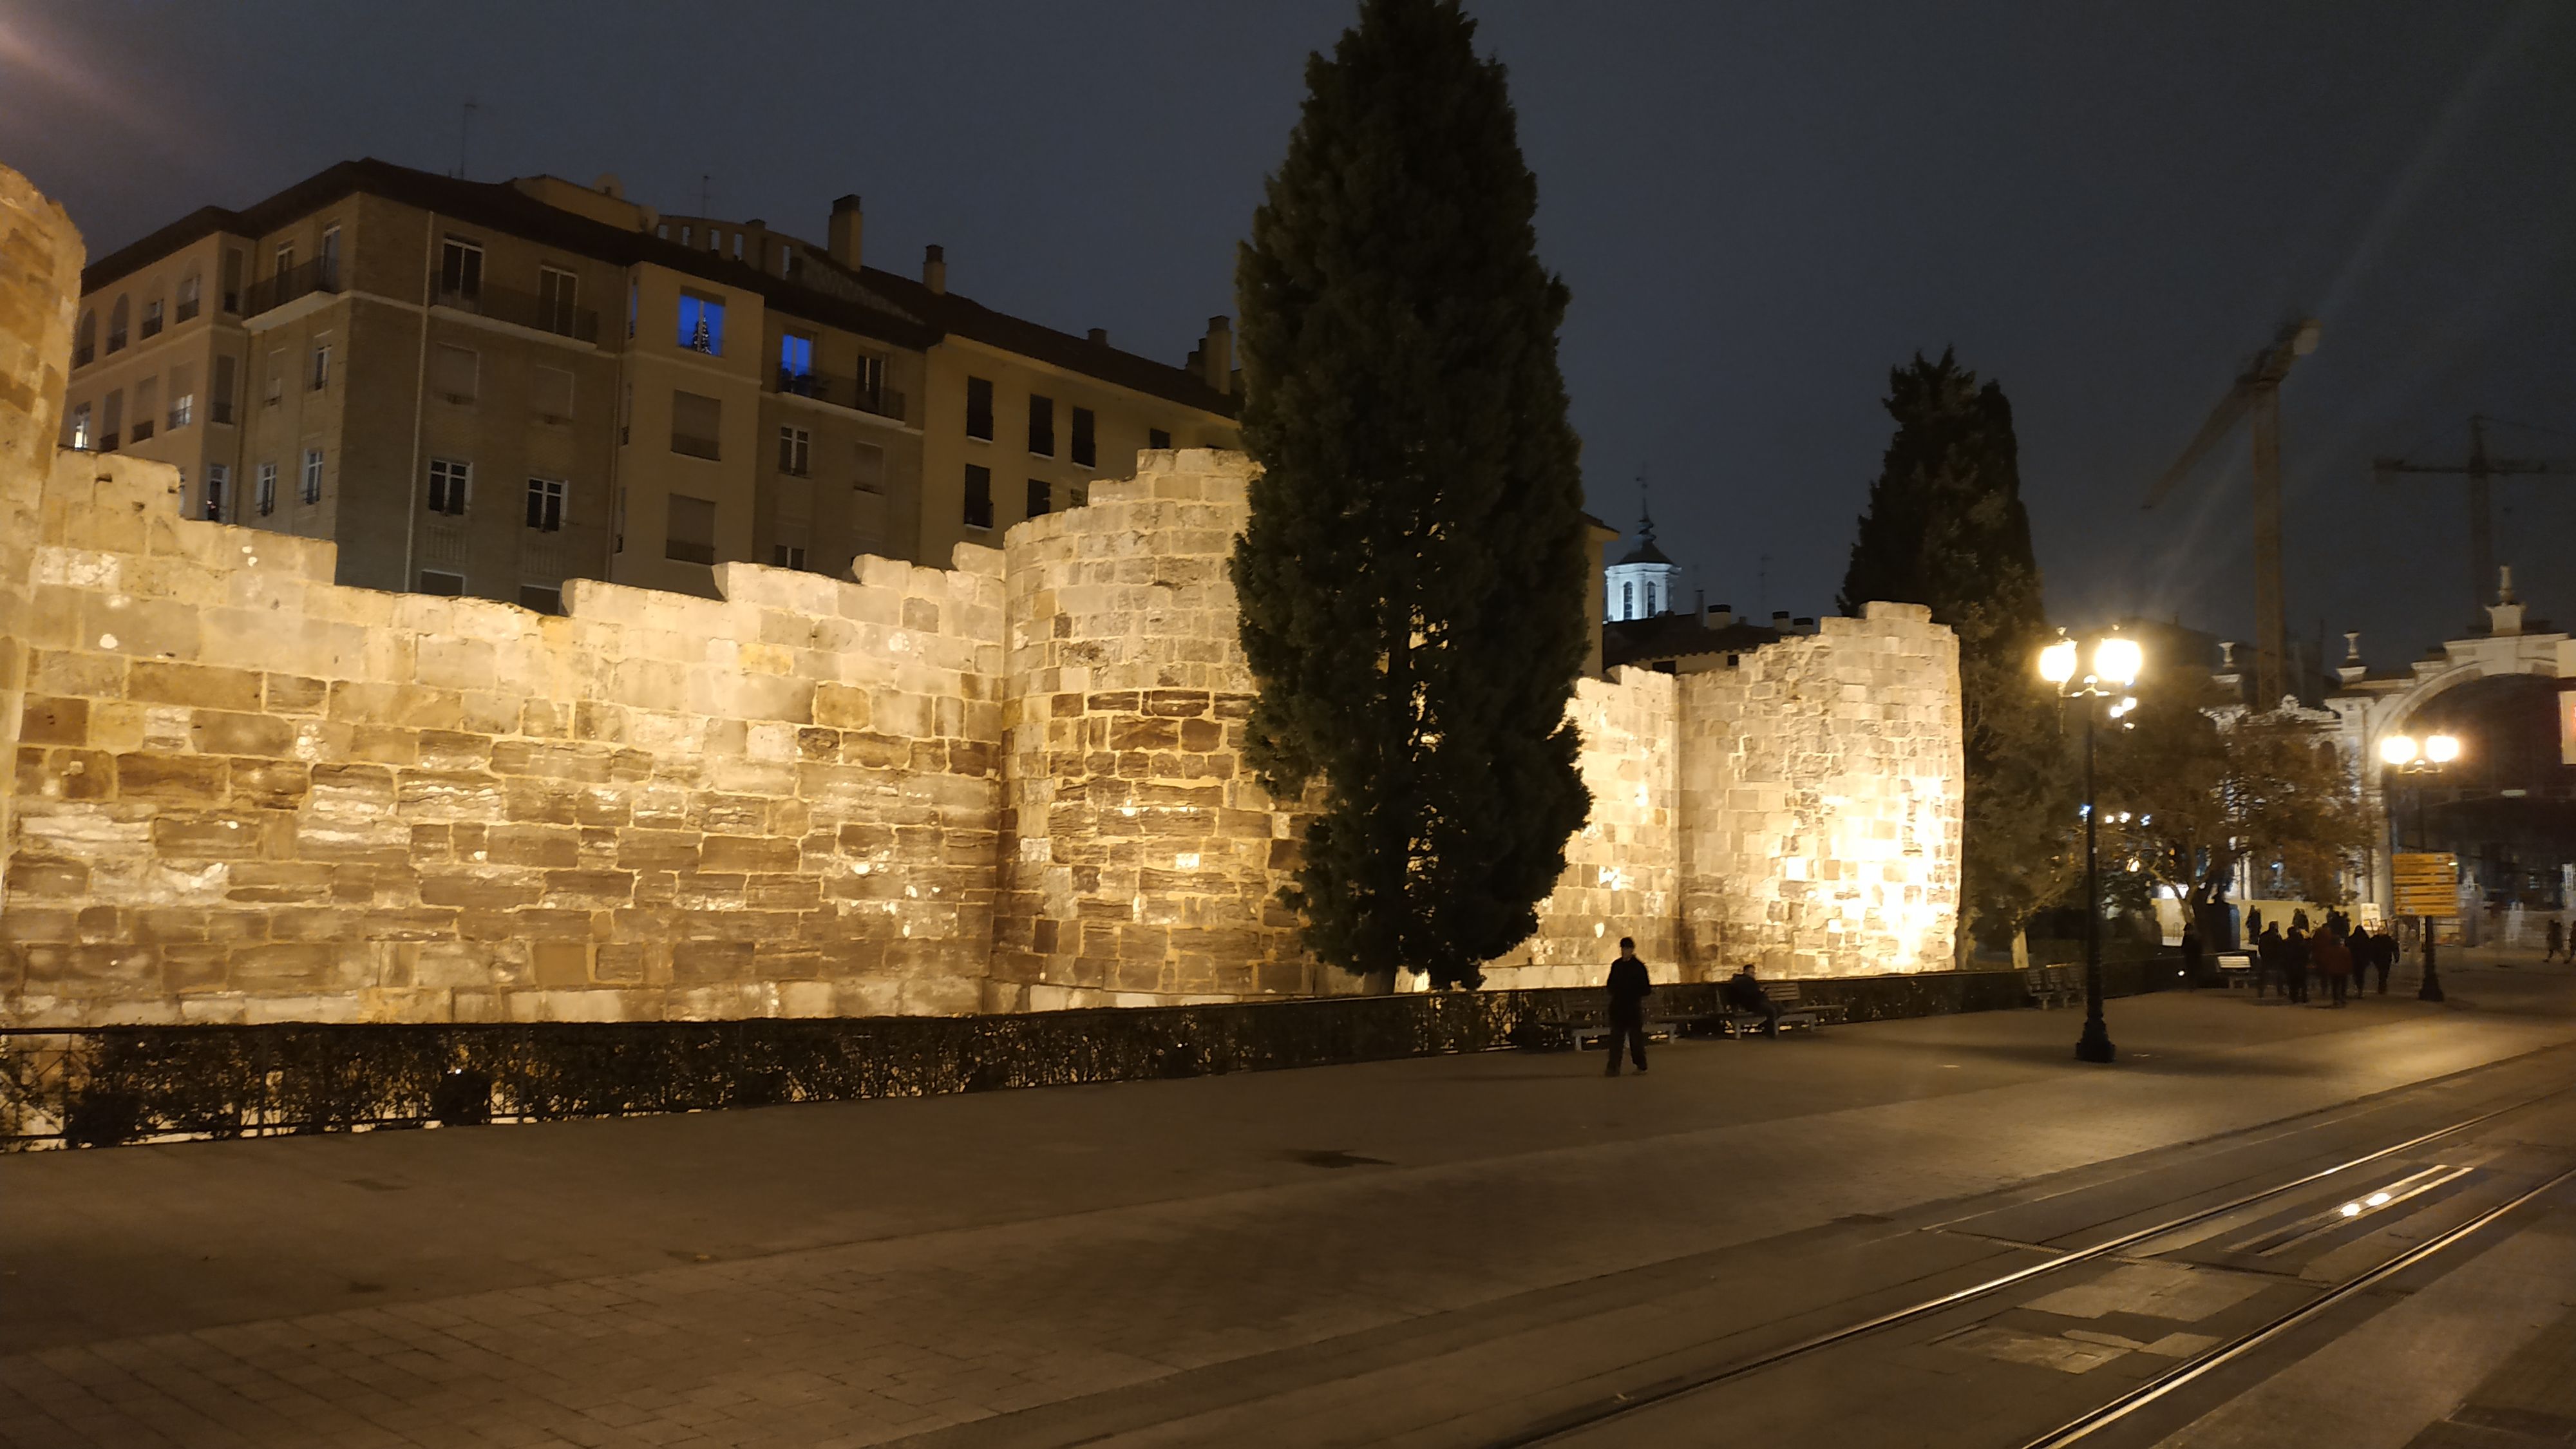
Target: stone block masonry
242,793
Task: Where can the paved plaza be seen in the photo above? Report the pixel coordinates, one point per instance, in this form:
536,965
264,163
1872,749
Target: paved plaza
1441,1251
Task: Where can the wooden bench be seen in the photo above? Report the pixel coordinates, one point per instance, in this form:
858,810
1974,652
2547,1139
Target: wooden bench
2054,986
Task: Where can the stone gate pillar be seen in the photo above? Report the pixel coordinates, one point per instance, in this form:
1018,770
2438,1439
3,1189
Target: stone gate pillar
40,267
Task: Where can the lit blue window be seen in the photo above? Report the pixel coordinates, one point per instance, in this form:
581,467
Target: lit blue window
795,355
701,324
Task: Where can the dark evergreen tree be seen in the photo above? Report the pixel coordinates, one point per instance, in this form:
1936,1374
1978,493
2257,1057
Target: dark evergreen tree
1412,578
1945,528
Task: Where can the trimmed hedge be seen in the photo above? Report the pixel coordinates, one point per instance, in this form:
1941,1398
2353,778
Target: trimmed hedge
105,1086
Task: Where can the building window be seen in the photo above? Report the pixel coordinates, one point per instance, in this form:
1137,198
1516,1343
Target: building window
1627,601
795,451
1077,495
979,496
541,598
1086,450
152,318
327,275
276,376
455,373
85,339
553,394
691,537
1040,496
1042,426
1157,438
147,405
979,408
442,583
796,364
312,475
460,270
870,476
696,423
232,280
183,397
634,302
702,323
219,395
558,298
545,504
111,420
787,556
191,293
116,316
267,499
285,260
321,366
218,482
80,433
451,482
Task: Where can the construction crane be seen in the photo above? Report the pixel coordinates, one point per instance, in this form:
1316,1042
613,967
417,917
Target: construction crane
2481,471
2257,392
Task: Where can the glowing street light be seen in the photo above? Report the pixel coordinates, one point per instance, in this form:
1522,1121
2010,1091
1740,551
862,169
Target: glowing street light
2408,756
2117,662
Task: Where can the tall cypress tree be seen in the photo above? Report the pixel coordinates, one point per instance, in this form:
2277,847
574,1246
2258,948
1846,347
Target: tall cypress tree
1412,577
1946,528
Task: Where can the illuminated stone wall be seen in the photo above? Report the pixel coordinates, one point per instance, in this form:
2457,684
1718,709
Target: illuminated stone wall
1140,862
1797,811
40,265
1820,801
244,792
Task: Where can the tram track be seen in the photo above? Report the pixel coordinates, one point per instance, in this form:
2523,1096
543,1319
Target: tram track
1568,1423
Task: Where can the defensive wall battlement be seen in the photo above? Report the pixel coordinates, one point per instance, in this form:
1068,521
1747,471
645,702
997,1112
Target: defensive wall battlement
242,792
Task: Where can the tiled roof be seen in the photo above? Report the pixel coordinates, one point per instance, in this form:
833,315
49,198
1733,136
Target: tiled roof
914,316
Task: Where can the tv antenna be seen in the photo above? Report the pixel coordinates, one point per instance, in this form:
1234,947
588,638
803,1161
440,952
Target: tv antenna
464,129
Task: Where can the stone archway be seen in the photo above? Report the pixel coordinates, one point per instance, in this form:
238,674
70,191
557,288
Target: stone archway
2369,708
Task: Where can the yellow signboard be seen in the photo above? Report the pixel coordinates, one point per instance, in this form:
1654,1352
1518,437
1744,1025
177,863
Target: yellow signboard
2428,884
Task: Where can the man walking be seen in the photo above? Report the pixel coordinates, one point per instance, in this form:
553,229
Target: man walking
1629,988
2556,938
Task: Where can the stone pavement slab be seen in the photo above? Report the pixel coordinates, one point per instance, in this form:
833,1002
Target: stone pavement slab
858,1273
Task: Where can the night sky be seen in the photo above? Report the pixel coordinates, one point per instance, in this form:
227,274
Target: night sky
1759,210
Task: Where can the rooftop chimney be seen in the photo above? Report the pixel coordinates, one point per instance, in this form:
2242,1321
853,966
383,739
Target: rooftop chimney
934,269
847,223
1100,335
1718,616
1216,354
1780,621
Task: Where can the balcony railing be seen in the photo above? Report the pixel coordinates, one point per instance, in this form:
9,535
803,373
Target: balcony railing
271,293
695,447
524,309
847,392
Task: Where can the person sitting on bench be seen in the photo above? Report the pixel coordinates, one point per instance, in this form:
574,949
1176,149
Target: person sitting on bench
1740,992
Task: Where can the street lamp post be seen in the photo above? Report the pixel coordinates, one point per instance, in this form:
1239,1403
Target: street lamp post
2405,755
2115,667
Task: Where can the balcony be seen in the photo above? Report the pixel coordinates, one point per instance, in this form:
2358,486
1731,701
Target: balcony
845,392
522,309
269,294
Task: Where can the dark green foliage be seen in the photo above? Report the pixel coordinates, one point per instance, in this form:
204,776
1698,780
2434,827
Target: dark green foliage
1945,528
1412,578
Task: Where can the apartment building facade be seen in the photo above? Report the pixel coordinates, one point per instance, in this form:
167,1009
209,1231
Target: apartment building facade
490,388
